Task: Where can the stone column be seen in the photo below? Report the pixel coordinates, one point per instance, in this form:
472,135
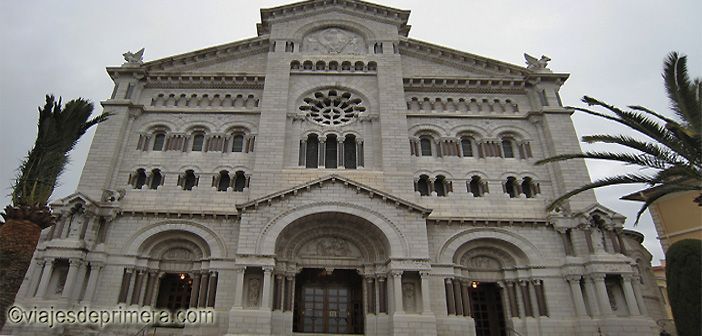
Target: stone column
637,293
124,287
149,291
466,297
526,298
458,297
592,297
602,297
519,300
574,282
370,294
212,289
629,296
588,238
34,278
157,288
138,283
239,287
382,295
266,297
450,303
92,282
289,290
74,264
202,296
45,277
426,294
278,287
80,280
397,291
195,290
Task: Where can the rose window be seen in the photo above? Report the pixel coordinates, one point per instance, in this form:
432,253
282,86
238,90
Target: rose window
331,108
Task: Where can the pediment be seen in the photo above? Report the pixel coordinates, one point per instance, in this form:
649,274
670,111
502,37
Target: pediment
333,180
74,198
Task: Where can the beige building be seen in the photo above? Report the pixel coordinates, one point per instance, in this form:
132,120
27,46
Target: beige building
333,175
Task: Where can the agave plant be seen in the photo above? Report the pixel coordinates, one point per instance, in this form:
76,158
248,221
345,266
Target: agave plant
670,150
59,129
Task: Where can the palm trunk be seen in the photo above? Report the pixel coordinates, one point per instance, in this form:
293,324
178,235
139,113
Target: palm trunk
19,236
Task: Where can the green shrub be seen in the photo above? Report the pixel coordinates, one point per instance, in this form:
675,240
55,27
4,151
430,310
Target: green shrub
684,276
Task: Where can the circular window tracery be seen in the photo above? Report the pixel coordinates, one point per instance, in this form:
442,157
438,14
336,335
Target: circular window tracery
331,108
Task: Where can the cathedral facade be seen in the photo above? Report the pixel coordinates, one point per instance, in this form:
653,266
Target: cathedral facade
333,175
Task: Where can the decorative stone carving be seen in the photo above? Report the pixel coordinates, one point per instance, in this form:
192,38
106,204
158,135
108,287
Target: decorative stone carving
537,64
178,254
334,41
332,108
330,247
408,297
253,290
134,58
483,263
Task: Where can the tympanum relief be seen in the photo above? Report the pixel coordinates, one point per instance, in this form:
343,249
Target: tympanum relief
330,247
334,41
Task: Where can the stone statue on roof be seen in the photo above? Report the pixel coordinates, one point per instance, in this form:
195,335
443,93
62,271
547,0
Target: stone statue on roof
537,64
134,58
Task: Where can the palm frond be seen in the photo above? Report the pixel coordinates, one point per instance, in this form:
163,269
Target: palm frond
608,181
685,102
627,158
656,194
653,149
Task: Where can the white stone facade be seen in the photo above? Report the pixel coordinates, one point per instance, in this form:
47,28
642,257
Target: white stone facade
422,182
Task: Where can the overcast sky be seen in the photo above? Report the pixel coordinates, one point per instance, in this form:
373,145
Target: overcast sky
614,51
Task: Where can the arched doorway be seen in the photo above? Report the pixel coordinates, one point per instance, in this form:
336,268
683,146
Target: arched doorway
331,253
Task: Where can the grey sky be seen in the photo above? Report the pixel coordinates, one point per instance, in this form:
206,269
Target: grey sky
613,49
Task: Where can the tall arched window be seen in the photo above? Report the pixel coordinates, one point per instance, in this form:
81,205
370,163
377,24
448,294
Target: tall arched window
239,181
528,187
511,187
475,186
508,147
330,152
425,146
156,179
224,181
467,146
189,180
423,185
159,140
238,143
312,154
350,158
198,141
140,178
440,185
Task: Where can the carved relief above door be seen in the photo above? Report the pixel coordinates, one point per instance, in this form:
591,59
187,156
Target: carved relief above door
334,41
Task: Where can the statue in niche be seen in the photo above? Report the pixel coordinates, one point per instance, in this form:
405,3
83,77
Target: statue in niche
333,247
253,292
611,297
408,297
334,41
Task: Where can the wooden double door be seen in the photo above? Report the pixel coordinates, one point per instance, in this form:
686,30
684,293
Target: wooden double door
328,303
487,310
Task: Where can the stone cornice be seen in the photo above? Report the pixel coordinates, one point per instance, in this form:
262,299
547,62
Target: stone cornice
189,80
464,85
491,222
372,192
180,214
380,13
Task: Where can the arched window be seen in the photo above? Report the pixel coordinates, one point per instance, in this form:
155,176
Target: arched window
528,187
346,65
330,152
467,146
156,179
139,178
238,143
423,185
475,186
334,65
312,154
198,141
159,140
511,187
440,185
239,181
350,152
425,146
189,180
507,147
224,181
358,66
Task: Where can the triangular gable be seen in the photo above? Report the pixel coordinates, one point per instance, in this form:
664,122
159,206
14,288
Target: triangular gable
319,183
380,13
600,208
73,198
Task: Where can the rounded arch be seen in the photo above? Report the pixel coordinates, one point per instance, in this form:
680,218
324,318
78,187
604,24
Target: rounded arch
195,168
398,244
442,172
474,131
155,246
434,130
238,126
516,132
199,126
522,250
160,124
212,241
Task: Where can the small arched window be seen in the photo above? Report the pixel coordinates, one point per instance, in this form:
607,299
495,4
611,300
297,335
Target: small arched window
333,65
425,146
423,185
238,143
511,187
312,154
350,154
475,186
239,181
330,152
508,147
198,142
140,178
224,181
189,180
440,186
156,179
159,140
467,146
528,187
358,66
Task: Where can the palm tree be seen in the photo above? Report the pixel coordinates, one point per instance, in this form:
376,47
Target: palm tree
670,154
59,129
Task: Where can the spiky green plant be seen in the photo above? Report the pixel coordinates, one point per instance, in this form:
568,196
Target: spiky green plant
59,129
670,151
